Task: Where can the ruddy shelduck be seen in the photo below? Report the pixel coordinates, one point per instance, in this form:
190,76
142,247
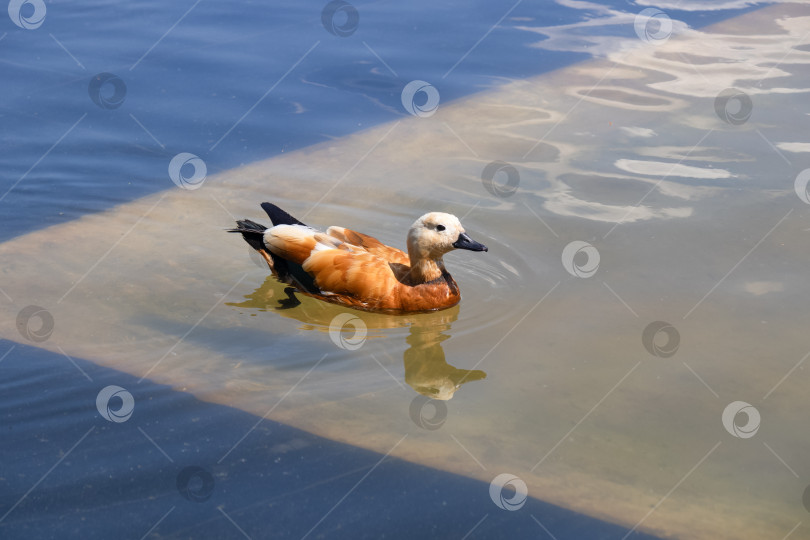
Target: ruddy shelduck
356,270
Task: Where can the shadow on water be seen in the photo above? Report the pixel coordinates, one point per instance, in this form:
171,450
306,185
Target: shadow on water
179,467
426,368
190,93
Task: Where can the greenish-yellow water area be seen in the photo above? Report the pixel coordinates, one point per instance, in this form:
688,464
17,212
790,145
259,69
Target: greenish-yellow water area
543,371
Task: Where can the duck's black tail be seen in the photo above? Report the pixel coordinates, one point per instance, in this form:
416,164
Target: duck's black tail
252,232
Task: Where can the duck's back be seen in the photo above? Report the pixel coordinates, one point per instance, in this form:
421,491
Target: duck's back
370,244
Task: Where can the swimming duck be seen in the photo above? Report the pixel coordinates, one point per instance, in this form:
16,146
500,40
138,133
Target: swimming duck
353,269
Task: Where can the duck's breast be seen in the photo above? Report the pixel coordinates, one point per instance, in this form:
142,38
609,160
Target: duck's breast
440,293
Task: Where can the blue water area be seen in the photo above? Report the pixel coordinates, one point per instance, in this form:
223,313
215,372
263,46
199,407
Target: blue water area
235,82
69,473
231,82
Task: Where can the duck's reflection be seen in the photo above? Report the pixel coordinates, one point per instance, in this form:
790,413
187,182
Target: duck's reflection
426,369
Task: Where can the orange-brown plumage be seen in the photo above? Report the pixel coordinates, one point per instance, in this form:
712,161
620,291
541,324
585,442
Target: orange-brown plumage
370,244
351,268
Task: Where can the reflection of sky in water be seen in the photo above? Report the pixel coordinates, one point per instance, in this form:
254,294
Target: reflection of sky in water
669,90
615,152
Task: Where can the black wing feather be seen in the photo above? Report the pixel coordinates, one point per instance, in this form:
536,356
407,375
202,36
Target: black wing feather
279,216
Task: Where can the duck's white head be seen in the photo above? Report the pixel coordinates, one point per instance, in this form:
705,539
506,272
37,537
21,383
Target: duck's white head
437,233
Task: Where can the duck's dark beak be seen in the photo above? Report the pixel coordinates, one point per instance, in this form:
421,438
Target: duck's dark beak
465,242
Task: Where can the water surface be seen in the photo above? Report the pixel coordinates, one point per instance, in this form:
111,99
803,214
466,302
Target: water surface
542,373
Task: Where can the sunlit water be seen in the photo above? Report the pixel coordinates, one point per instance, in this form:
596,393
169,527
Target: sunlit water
543,370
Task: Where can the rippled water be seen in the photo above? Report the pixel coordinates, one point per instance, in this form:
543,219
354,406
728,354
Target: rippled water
550,369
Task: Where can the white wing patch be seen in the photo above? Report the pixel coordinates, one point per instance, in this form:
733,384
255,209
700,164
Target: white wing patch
301,234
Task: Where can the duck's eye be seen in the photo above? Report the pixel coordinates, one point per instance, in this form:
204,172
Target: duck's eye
439,227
